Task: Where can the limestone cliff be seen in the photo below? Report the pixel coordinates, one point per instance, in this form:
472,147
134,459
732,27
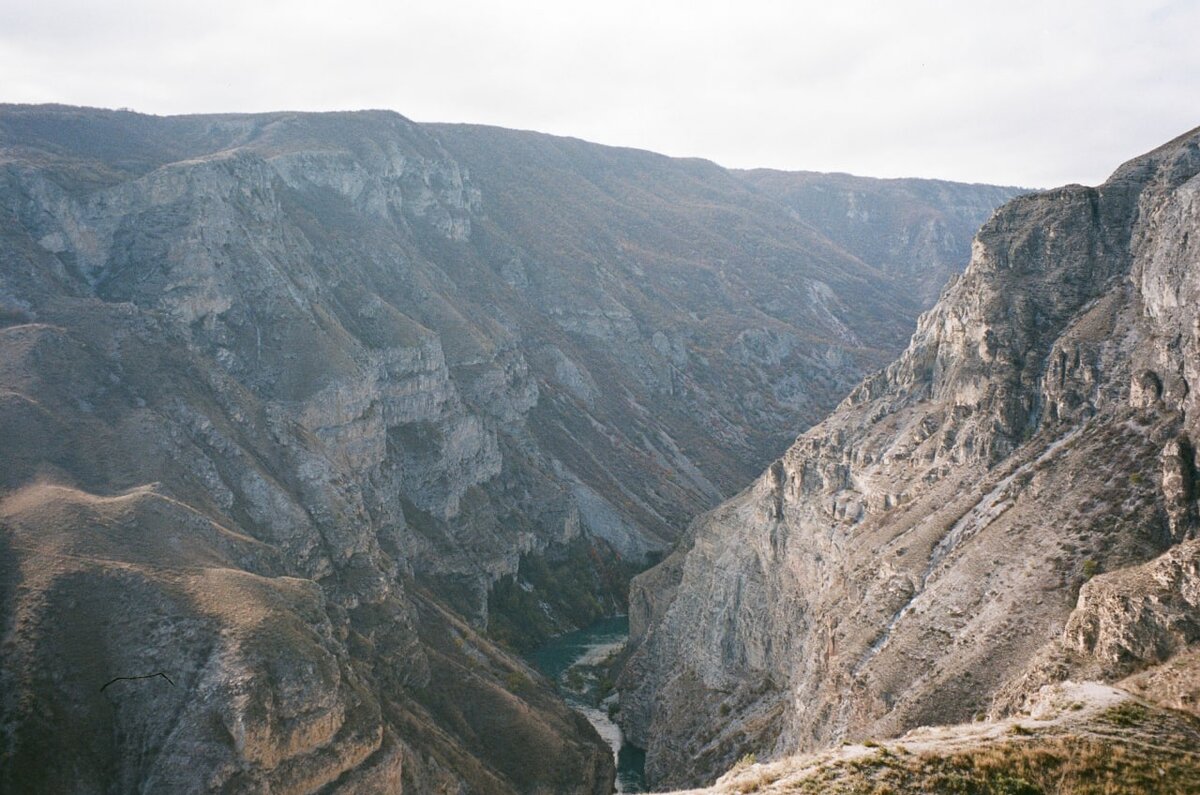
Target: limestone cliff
923,555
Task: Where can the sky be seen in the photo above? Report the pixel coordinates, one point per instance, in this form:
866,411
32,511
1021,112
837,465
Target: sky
1034,94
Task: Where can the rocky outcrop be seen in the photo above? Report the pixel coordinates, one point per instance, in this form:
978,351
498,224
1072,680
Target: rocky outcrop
912,555
1141,615
1138,625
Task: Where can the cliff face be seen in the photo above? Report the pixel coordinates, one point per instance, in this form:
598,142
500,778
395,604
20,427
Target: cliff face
917,557
161,516
283,396
914,229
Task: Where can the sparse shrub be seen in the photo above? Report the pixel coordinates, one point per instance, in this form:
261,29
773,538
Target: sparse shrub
517,682
1090,568
11,315
756,783
603,688
1126,714
746,761
582,581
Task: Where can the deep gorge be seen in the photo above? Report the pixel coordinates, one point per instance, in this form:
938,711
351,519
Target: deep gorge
334,419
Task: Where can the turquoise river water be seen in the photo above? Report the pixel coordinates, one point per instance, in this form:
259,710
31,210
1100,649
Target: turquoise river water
575,658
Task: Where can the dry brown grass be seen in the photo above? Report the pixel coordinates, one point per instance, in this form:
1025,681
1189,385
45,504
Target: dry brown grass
1037,766
1072,765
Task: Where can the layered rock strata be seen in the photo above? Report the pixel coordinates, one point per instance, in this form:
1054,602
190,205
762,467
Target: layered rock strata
972,522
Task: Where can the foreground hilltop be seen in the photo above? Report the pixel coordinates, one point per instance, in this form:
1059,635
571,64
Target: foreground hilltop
1010,504
289,403
1075,738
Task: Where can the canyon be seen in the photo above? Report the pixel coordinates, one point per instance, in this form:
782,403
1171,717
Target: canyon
327,440
311,422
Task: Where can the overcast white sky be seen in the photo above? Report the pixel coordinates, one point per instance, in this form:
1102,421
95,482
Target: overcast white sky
1028,93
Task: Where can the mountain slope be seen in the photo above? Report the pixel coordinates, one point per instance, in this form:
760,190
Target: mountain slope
917,557
917,229
285,397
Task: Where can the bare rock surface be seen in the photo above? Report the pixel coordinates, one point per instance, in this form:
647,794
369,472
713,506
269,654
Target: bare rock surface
929,553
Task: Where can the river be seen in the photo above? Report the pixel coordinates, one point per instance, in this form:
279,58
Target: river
574,663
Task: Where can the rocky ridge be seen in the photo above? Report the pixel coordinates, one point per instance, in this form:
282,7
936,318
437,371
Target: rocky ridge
1008,505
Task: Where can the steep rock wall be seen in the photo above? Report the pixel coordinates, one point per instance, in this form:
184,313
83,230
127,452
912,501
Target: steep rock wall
910,556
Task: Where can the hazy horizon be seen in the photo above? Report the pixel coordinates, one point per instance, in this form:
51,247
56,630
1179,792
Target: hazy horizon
1022,94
